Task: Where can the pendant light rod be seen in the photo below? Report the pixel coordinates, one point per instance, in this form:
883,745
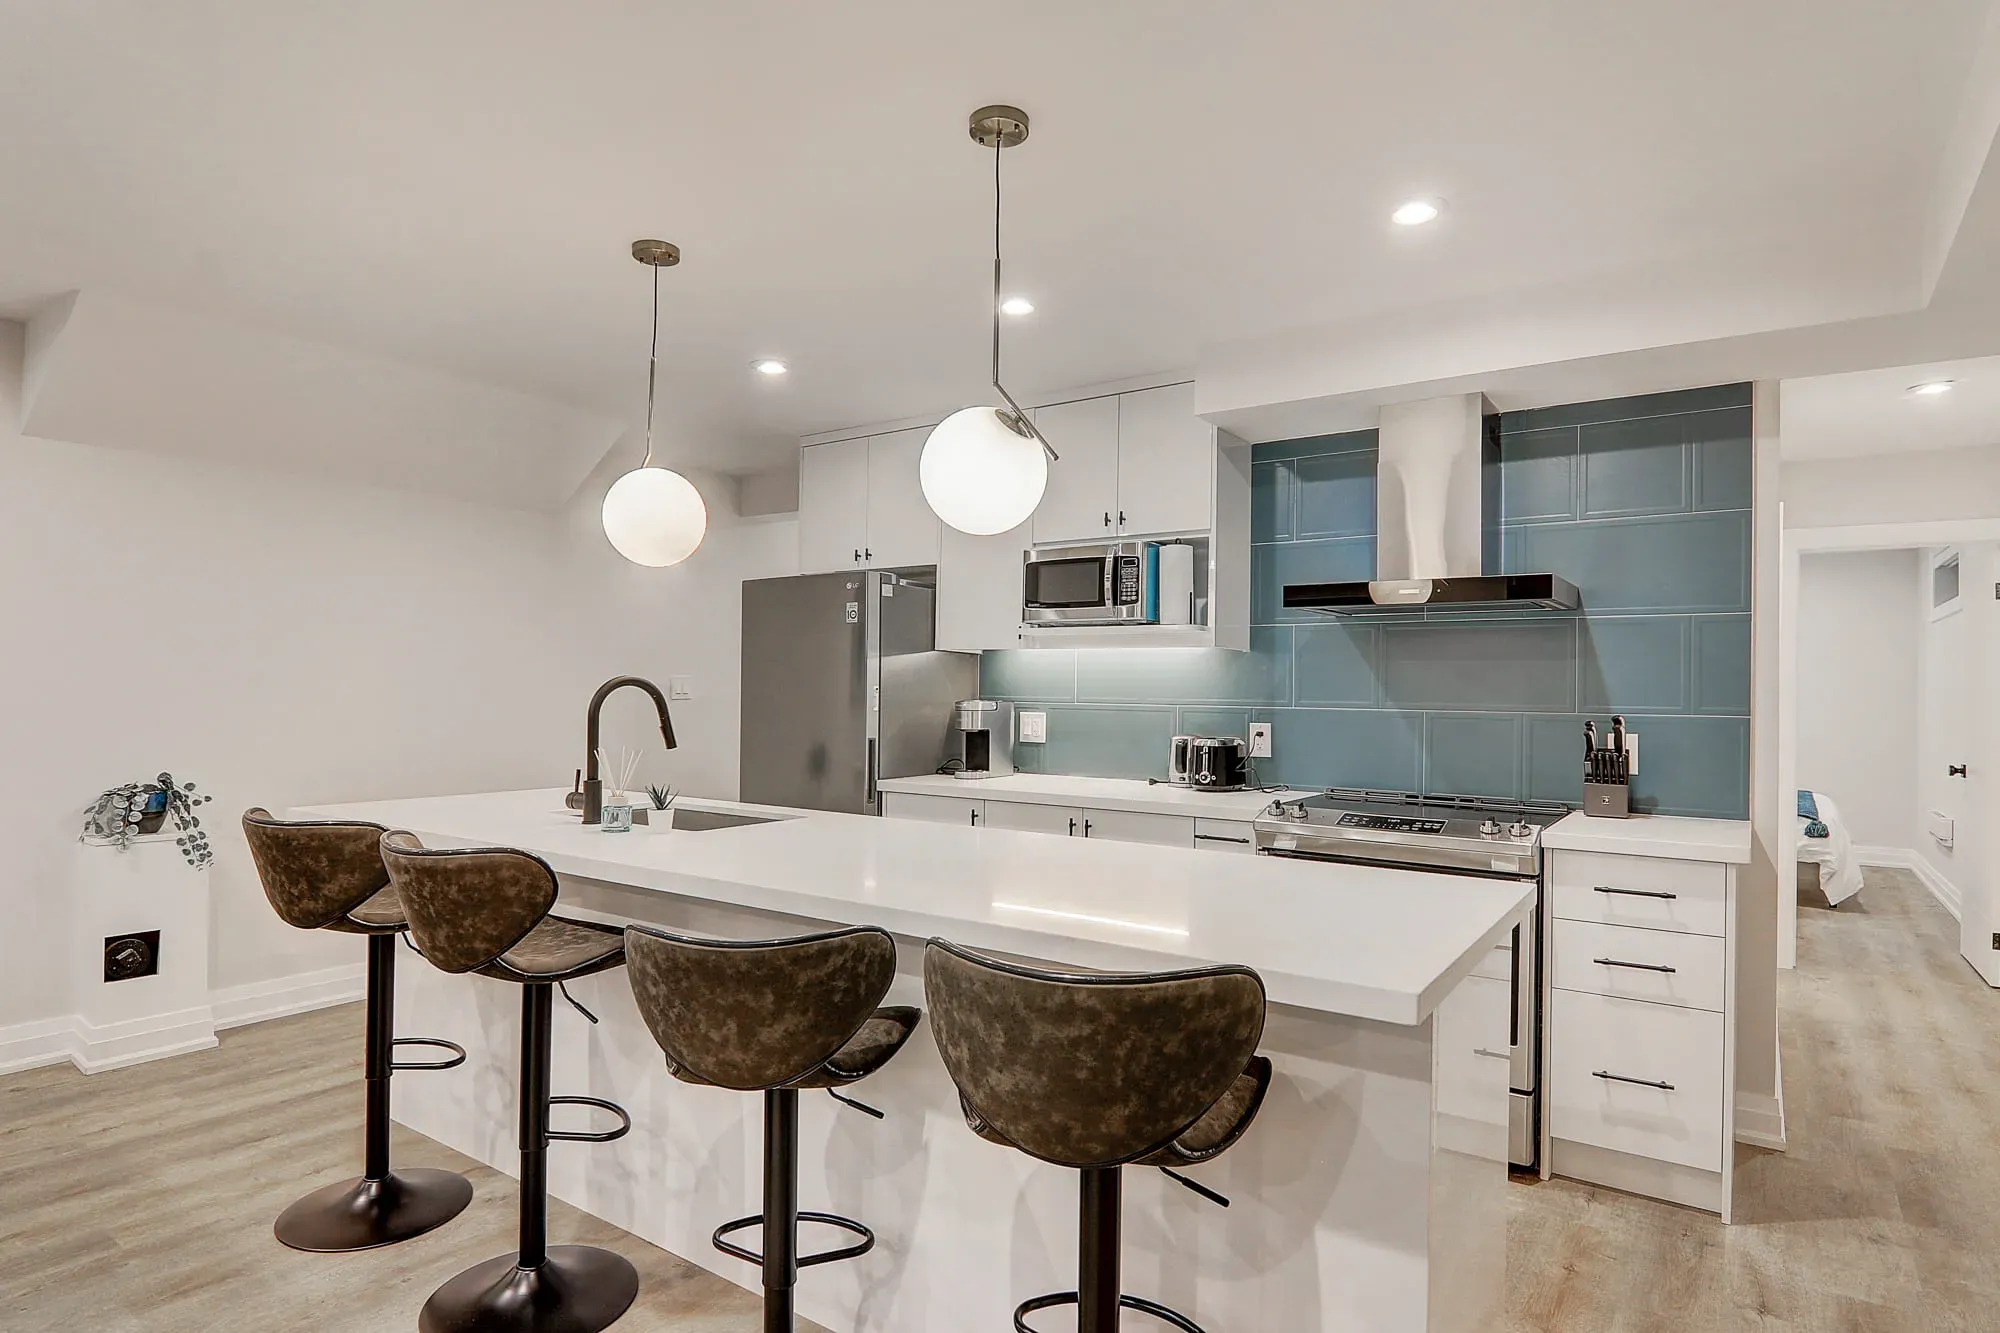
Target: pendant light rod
1004,127
659,255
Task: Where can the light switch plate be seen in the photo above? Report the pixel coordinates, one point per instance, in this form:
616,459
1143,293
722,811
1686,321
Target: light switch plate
1034,728
1632,751
1260,740
680,687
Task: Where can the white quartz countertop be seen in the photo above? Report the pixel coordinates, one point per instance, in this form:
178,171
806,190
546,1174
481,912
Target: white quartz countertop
1099,793
1724,840
1362,942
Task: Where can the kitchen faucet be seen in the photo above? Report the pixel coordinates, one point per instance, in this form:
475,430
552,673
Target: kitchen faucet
593,786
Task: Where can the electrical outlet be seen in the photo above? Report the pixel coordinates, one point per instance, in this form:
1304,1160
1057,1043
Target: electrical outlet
1260,740
1034,728
680,687
1996,940
1632,751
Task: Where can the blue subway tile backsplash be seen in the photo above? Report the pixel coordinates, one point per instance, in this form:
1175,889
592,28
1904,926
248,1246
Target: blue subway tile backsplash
1643,503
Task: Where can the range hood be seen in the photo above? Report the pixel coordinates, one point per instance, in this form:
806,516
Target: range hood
1437,521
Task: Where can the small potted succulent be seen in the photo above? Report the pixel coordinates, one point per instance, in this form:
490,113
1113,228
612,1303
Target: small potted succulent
141,809
663,799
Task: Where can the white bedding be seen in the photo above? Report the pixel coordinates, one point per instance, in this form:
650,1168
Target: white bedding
1840,873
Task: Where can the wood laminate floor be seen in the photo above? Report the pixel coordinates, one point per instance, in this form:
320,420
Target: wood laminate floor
141,1201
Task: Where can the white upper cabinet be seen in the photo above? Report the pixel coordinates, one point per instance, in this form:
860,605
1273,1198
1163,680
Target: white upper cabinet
1166,463
979,590
902,530
833,505
1081,502
861,505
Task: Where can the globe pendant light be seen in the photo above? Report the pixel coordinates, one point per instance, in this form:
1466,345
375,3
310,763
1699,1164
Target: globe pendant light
984,468
653,515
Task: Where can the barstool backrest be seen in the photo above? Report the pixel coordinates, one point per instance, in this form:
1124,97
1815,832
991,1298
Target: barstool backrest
757,1014
469,905
1090,1069
316,871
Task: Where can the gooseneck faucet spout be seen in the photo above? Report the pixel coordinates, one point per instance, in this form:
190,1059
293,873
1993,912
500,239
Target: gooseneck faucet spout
593,785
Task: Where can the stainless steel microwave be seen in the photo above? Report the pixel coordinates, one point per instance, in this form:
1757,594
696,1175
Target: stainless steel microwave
1117,583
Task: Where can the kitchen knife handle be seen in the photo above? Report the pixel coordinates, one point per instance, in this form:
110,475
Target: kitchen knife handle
1642,1082
1633,893
1641,967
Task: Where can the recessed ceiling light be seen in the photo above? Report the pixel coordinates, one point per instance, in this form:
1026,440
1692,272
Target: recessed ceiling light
1929,388
1017,305
770,366
1415,213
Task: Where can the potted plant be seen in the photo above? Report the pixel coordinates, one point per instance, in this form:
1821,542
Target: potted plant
141,809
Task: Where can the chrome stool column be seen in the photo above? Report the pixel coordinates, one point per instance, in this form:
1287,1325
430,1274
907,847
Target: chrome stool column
774,1016
328,875
487,910
1098,1072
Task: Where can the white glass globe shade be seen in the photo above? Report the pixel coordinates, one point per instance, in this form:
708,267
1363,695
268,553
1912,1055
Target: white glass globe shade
978,475
654,517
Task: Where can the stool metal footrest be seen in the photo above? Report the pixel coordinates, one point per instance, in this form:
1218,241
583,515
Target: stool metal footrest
1139,1303
587,1136
866,1244
453,1061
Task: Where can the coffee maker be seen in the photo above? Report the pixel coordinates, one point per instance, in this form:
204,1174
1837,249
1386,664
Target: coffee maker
983,731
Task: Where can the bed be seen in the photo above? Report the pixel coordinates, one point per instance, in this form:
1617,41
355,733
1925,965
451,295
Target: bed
1826,863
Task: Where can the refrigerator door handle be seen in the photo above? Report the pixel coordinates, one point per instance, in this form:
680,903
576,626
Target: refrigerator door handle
873,798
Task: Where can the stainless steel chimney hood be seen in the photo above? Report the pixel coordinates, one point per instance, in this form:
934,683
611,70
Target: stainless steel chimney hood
1437,521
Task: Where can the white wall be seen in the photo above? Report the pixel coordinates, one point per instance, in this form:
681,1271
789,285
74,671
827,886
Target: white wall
281,641
1911,487
1859,625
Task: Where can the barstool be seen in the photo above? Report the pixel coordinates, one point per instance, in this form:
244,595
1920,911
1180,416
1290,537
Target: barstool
328,875
1097,1072
486,910
774,1016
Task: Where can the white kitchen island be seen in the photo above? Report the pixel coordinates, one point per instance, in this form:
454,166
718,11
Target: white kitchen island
1368,1195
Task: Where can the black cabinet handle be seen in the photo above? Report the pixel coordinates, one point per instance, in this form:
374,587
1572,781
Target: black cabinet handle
870,553
1642,967
1086,828
1642,1082
1121,518
857,555
1217,837
1955,771
1633,893
975,816
1072,828
1107,518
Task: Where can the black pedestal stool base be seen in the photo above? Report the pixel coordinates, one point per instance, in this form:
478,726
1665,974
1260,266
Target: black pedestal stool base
576,1289
361,1214
1172,1318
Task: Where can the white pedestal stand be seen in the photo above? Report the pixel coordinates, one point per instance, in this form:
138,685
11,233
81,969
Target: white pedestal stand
147,887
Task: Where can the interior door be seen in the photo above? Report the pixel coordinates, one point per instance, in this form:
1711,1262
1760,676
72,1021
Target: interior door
804,692
1081,502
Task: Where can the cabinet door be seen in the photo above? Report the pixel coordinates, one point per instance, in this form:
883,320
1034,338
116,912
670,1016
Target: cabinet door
833,505
902,530
1131,826
1082,499
979,590
1166,463
1062,820
933,809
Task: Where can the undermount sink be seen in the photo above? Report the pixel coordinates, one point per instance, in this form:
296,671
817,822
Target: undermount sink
698,821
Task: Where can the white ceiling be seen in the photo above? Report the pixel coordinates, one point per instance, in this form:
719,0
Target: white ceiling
455,184
1873,412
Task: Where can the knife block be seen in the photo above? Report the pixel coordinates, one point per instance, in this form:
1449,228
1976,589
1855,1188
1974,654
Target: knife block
1607,800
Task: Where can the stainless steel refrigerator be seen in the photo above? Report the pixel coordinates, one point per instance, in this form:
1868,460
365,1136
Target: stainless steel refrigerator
843,686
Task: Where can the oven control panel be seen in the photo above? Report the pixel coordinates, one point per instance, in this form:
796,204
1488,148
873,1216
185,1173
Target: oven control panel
1391,823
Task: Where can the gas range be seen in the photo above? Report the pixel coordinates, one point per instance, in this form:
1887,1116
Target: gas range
1463,835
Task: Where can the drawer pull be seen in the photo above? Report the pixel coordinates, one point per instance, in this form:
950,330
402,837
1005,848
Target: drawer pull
1492,1055
1642,1082
1217,837
1633,893
1643,967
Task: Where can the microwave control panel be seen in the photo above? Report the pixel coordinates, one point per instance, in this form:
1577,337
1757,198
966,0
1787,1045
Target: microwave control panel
1127,593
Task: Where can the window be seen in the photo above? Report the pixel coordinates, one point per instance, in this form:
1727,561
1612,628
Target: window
1945,598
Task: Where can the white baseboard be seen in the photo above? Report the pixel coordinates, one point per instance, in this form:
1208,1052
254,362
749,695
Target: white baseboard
1760,1121
94,1048
1904,858
236,1006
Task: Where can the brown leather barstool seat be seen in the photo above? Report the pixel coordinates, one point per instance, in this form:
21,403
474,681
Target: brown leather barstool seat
775,1017
328,875
1097,1072
487,911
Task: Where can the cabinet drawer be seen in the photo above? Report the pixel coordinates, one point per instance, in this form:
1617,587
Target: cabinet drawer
1606,1057
1643,891
1131,826
1065,821
1224,835
936,809
1664,966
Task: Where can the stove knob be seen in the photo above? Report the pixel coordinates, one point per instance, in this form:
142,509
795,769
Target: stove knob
1489,828
1521,830
1297,810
